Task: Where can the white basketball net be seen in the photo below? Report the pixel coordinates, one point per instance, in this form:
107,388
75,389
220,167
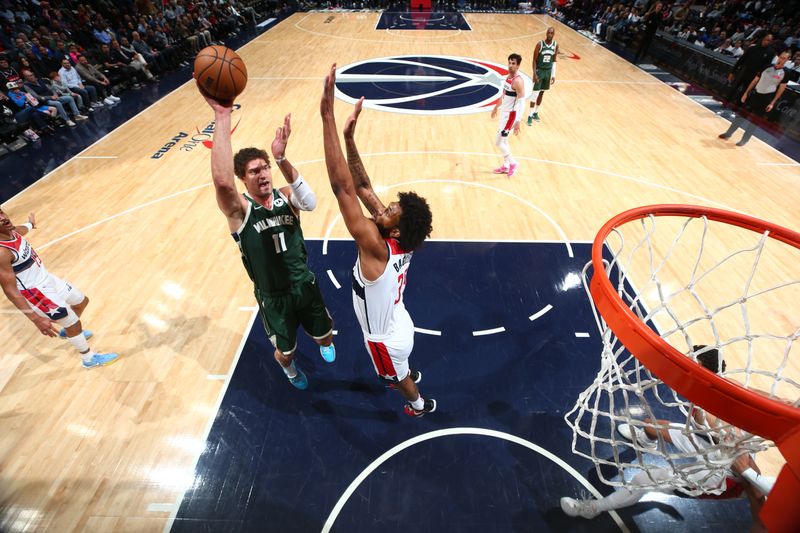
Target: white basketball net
686,284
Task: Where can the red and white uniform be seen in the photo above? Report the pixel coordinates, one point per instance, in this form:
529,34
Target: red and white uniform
508,111
46,294
387,326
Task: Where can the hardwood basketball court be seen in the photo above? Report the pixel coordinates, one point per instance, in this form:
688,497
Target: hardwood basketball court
113,449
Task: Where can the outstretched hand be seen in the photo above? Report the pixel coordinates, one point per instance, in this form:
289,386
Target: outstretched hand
326,104
282,138
352,120
216,105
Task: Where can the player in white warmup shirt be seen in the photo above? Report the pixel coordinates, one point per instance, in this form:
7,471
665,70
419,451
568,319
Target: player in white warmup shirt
385,243
43,297
512,107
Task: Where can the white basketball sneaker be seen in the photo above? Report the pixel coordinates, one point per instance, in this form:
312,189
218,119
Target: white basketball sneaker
582,508
637,436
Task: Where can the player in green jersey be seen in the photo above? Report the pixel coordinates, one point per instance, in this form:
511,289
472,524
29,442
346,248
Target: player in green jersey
265,223
544,71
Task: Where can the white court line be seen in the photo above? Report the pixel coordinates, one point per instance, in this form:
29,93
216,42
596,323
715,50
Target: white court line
522,200
492,241
333,279
708,201
148,108
581,334
492,331
611,82
122,213
77,156
326,528
266,22
428,331
214,410
160,507
540,312
286,78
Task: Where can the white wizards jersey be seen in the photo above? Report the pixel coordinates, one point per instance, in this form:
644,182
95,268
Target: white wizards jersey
509,94
28,268
379,304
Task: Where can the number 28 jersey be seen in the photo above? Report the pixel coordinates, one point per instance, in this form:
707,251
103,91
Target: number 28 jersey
379,304
272,246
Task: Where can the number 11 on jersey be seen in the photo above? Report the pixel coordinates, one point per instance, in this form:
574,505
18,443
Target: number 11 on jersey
280,242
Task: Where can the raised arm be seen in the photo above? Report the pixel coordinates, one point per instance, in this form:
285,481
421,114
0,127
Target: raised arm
363,230
230,202
299,193
361,180
9,283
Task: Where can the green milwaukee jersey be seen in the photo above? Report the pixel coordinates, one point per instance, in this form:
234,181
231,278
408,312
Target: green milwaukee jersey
272,246
547,54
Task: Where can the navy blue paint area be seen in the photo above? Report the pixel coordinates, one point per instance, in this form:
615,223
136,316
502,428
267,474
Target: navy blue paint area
278,459
422,20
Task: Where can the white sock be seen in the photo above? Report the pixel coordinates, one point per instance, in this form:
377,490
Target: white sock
536,108
80,344
624,497
418,404
290,371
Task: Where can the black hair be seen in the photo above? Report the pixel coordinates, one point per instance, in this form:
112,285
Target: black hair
710,358
415,221
244,156
517,57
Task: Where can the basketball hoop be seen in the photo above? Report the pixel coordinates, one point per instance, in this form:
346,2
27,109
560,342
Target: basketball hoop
704,281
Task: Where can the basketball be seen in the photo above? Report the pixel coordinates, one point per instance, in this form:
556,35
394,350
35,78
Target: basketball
220,73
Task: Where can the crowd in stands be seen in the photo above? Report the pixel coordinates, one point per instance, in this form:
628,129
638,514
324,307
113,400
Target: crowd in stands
60,60
727,27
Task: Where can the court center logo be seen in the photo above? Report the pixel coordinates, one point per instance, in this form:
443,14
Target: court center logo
425,84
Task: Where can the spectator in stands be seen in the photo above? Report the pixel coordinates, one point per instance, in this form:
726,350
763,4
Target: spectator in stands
120,73
92,76
44,92
725,47
736,49
151,56
767,88
241,12
7,72
72,79
753,61
9,127
28,109
135,60
102,34
60,88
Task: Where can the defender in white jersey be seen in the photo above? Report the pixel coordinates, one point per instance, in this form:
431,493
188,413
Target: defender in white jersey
43,297
511,105
385,244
